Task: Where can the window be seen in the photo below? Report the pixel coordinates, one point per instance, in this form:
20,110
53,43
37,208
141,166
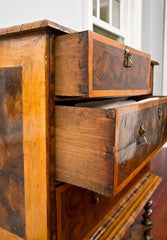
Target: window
117,19
106,20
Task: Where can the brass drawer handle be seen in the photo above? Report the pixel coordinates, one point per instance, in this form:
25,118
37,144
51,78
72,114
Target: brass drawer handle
128,58
143,133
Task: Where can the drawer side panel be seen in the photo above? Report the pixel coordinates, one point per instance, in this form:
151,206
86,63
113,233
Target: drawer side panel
84,148
71,65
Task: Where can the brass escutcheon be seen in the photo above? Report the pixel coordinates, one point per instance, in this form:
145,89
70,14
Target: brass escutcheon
160,112
143,133
128,58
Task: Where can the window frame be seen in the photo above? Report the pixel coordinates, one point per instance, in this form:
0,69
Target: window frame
108,26
130,21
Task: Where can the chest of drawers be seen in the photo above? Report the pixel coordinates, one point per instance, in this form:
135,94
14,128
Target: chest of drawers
78,129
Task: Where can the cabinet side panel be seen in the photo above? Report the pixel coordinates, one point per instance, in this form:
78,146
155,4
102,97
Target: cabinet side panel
31,52
11,152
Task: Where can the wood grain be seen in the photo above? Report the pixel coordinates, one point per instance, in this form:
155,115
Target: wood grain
31,52
34,27
131,152
36,138
11,152
71,63
29,47
109,72
106,144
159,216
84,147
121,218
6,235
74,203
91,65
81,217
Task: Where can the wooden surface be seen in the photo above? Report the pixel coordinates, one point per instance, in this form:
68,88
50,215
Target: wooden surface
78,211
30,49
159,216
83,71
84,145
135,145
109,71
33,27
116,225
91,140
131,149
31,53
12,207
71,65
6,235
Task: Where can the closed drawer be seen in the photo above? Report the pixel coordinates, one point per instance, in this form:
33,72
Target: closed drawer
83,214
101,146
90,65
78,211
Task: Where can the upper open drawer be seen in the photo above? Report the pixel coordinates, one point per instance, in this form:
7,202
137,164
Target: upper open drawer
90,65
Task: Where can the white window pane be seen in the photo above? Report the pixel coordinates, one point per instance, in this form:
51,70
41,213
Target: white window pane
104,10
95,8
116,13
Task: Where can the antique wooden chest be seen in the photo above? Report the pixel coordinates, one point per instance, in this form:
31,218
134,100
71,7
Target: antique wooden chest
73,163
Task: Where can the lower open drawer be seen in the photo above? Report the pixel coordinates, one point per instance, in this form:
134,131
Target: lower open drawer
102,145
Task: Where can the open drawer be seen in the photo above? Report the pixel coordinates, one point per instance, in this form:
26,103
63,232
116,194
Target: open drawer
90,65
102,145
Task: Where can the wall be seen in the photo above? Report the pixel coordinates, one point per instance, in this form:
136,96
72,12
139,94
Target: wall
66,12
133,23
153,20
152,37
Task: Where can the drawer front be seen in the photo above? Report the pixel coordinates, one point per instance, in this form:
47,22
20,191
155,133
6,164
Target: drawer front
110,73
103,149
141,130
90,65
